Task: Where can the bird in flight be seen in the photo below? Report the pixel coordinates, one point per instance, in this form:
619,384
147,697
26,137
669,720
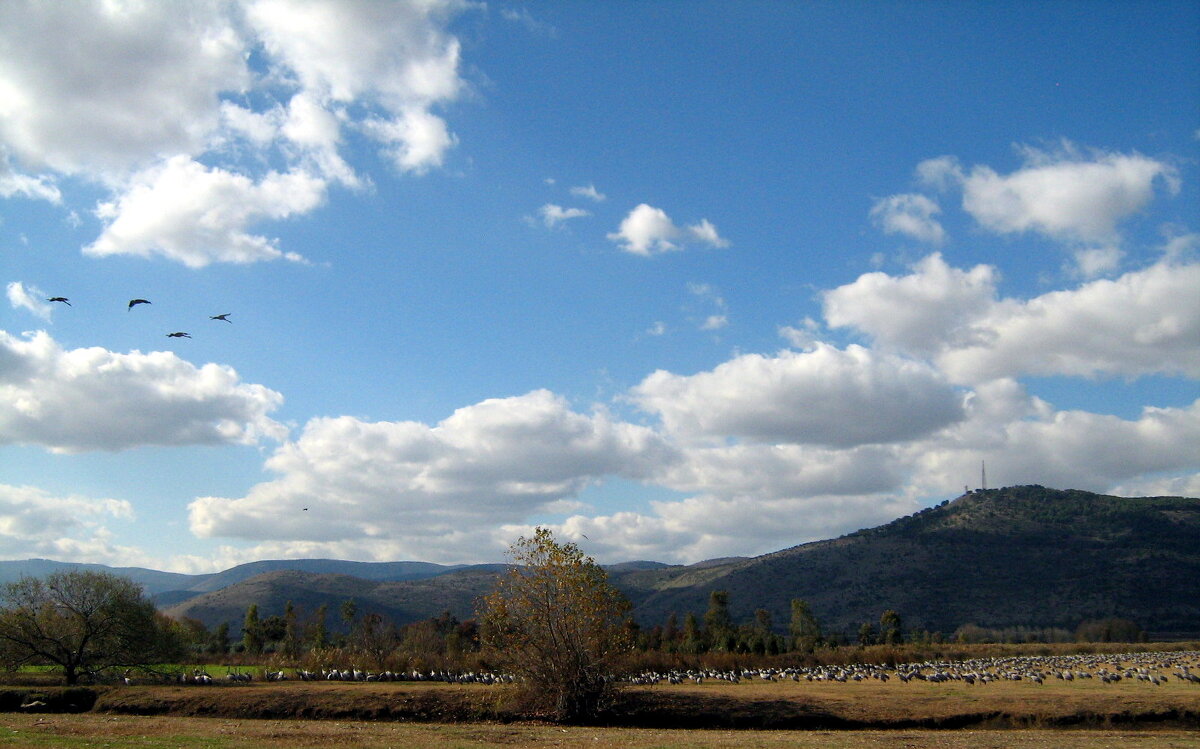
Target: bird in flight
179,334
224,317
134,302
62,299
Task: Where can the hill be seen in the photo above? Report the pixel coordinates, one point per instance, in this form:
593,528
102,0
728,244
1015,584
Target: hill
1020,556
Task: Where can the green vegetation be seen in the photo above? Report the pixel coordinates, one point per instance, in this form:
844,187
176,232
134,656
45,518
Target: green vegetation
86,623
555,622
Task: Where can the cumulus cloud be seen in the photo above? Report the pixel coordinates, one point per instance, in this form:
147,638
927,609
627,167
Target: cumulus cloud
150,93
396,56
1025,440
197,215
1143,322
31,299
1063,194
36,523
910,214
553,215
921,312
426,489
139,80
94,399
826,396
649,231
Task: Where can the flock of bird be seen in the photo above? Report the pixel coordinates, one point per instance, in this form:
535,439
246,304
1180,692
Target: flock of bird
135,302
1154,668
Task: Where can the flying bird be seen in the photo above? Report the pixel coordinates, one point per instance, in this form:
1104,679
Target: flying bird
135,302
179,334
62,299
224,317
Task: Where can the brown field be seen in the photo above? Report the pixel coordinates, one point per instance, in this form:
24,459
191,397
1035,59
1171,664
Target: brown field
155,732
871,713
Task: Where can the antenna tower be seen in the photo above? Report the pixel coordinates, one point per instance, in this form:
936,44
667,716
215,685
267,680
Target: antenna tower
982,475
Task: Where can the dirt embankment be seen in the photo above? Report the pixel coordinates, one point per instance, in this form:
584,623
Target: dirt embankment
643,708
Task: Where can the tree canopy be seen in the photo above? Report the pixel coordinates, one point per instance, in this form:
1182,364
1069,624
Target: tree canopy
85,622
556,622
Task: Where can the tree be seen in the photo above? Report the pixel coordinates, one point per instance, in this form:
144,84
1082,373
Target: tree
866,634
718,624
805,630
556,622
85,622
252,639
890,628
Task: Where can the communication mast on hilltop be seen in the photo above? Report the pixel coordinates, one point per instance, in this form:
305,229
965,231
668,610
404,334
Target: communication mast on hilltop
983,475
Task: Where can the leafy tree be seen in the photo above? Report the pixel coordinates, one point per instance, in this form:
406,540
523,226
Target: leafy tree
220,639
866,634
692,643
718,624
252,639
555,621
890,628
318,632
805,630
290,645
85,622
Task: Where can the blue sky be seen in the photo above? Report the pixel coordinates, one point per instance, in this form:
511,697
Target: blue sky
680,280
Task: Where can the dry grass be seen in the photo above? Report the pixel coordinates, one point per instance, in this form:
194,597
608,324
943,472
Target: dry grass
218,733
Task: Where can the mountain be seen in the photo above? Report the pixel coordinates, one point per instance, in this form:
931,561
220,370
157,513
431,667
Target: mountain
401,601
1020,556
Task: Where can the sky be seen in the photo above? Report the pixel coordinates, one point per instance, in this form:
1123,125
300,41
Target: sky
676,280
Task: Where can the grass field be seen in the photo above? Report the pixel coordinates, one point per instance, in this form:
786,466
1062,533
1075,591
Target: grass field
157,732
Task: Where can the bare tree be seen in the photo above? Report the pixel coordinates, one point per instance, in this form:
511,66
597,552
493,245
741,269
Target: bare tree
556,622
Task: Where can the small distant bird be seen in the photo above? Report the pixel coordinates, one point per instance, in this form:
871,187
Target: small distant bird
224,317
135,302
179,334
62,299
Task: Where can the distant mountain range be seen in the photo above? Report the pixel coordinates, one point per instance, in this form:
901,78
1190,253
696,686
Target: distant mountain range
1019,556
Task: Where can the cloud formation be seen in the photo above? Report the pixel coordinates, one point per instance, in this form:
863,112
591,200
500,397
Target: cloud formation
1143,322
421,487
152,97
1064,194
911,214
650,231
93,399
36,523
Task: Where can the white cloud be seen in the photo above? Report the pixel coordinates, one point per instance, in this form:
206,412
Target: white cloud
1066,195
93,399
921,312
13,184
909,214
588,191
714,322
553,215
1097,261
822,397
31,299
149,91
138,80
1143,322
35,523
197,215
394,55
427,489
648,230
